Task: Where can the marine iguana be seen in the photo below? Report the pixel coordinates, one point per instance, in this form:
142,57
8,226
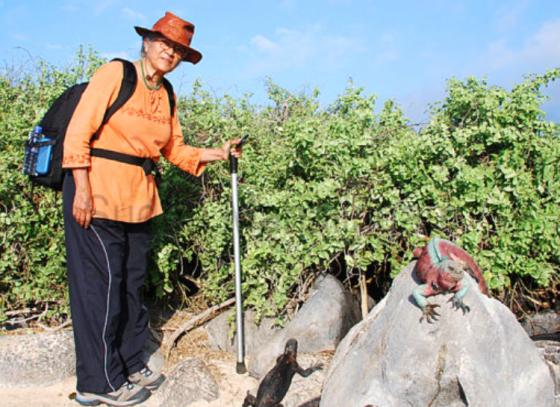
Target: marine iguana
441,266
277,381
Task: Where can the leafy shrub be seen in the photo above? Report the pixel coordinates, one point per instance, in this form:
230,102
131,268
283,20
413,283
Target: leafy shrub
32,262
343,190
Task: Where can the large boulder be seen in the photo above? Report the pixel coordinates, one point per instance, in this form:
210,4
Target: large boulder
483,358
542,323
550,352
219,331
189,381
36,359
319,325
152,355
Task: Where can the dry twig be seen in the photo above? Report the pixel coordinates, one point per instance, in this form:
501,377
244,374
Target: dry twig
16,321
363,296
195,322
56,328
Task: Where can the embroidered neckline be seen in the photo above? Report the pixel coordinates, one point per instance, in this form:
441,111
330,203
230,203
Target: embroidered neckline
144,77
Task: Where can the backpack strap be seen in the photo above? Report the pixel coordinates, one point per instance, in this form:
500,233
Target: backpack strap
128,85
126,90
146,163
169,88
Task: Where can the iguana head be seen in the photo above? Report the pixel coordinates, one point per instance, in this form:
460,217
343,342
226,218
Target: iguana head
454,267
291,347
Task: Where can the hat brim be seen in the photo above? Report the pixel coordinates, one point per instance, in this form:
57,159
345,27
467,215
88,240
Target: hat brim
191,55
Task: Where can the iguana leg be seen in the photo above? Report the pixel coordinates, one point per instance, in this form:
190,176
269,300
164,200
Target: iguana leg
308,371
250,400
428,310
457,299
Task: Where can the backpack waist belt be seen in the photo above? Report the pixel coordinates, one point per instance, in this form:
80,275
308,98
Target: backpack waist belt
147,164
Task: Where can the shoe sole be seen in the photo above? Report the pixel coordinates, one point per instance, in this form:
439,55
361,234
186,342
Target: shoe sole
152,385
155,385
115,403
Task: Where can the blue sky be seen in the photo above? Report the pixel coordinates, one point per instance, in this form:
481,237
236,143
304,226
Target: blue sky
404,50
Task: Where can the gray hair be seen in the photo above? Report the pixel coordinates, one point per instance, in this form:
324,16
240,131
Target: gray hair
150,37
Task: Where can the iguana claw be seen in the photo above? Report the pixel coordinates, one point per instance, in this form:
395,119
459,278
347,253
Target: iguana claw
429,312
459,304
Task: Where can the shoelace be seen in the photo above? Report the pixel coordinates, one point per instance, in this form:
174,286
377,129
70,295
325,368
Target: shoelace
146,372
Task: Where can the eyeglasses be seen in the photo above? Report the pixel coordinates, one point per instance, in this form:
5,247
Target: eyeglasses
167,44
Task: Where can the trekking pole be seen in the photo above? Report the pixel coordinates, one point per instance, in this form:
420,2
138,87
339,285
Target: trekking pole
240,367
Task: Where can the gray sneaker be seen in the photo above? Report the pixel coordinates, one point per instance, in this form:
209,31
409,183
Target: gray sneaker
126,395
147,378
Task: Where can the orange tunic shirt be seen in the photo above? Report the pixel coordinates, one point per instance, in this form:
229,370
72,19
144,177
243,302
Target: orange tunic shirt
143,127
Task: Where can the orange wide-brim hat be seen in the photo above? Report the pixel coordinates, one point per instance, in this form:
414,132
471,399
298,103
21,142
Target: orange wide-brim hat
177,30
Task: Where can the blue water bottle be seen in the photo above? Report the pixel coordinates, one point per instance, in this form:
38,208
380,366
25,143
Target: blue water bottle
43,163
32,151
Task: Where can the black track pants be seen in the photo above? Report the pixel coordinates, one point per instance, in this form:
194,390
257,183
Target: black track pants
107,265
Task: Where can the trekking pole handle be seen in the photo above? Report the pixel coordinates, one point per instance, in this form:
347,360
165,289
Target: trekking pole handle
232,159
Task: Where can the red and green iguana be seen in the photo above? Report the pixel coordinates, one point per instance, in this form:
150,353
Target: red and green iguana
441,266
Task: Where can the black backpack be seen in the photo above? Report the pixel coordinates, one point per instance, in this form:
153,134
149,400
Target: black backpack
57,118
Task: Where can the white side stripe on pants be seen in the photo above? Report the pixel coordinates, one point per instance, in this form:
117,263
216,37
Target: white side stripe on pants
107,313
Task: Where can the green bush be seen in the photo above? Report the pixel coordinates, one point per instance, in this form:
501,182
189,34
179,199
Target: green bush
32,263
341,189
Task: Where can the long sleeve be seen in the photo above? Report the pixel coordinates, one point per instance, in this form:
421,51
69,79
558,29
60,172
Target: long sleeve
178,153
142,127
97,97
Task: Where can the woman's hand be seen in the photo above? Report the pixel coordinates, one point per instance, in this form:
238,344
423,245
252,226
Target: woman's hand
233,147
82,208
216,154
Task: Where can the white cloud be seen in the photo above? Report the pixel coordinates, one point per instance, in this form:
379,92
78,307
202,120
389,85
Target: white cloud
102,5
20,37
541,50
289,4
70,7
53,46
133,15
509,16
291,48
263,44
500,55
544,46
388,50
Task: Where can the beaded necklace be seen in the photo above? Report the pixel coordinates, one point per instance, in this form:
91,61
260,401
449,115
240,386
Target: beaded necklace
156,87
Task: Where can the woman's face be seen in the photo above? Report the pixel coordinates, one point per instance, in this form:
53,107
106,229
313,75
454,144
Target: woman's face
162,54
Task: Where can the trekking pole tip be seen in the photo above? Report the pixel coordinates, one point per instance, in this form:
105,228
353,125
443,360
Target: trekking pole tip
240,368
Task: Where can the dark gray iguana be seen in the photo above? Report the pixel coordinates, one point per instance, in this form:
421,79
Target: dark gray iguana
277,381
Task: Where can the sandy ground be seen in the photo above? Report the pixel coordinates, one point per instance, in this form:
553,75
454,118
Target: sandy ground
233,387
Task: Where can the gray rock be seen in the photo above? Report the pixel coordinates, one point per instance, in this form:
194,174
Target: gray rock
319,326
187,383
483,358
307,388
550,352
153,356
219,332
36,359
547,322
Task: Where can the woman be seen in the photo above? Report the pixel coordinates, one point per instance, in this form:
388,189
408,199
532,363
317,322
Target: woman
108,205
